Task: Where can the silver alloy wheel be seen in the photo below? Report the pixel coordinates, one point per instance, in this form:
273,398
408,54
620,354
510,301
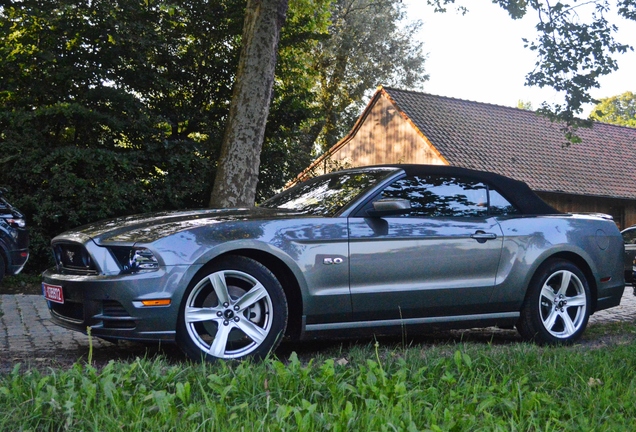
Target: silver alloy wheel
563,304
228,314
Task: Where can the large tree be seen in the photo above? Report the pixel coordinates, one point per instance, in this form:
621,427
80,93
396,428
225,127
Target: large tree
619,110
238,167
286,148
369,43
364,46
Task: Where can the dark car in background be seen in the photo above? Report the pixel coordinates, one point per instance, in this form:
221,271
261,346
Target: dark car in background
375,250
14,239
629,238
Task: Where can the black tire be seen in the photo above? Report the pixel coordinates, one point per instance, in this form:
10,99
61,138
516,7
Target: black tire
557,305
241,298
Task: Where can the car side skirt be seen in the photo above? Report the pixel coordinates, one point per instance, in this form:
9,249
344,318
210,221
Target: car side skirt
462,321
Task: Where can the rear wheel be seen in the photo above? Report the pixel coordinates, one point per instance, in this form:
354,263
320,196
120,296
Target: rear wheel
557,305
236,309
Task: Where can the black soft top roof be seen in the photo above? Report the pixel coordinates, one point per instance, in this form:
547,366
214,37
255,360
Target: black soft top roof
515,191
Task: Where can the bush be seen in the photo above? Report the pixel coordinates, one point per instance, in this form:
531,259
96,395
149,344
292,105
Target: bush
71,186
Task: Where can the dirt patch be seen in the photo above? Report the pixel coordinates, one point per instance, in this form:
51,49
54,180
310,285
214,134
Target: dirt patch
6,287
101,356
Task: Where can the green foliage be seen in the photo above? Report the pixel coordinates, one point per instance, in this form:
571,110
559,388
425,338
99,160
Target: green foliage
524,105
368,45
573,55
444,387
108,109
619,110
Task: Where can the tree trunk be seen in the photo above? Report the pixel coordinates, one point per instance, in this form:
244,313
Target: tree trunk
238,166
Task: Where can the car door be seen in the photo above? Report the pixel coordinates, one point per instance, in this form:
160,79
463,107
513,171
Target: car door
440,259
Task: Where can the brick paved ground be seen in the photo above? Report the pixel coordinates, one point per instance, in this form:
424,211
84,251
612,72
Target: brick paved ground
26,330
28,336
625,312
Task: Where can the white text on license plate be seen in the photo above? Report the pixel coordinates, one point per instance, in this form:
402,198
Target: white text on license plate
53,293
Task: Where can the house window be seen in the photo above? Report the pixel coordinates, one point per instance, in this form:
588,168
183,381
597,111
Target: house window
618,213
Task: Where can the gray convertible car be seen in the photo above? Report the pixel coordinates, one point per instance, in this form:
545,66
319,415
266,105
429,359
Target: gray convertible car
373,250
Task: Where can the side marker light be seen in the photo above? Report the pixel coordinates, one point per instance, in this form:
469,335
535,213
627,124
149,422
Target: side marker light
157,302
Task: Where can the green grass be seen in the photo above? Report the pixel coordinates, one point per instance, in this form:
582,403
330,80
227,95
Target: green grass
625,328
380,387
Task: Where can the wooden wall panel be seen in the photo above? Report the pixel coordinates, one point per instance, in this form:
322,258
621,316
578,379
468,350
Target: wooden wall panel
623,211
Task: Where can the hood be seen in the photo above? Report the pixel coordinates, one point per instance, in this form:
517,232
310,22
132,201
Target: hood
146,228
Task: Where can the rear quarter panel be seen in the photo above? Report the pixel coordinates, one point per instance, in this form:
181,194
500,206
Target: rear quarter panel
530,241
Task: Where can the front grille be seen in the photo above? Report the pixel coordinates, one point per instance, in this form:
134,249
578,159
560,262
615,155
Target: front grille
73,258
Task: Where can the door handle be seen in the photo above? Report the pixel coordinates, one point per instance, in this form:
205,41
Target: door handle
483,236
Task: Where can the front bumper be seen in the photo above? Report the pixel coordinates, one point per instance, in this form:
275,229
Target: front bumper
18,259
112,305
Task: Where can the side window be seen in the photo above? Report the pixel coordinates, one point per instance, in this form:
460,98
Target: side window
500,206
629,236
441,196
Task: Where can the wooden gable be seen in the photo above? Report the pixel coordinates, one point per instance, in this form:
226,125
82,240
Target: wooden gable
382,135
386,136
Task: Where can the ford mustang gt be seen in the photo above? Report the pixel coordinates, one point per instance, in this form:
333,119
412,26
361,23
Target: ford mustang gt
371,250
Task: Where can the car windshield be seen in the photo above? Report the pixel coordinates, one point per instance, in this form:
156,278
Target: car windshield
327,195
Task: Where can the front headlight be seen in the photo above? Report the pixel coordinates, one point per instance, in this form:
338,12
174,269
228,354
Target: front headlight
141,259
134,259
16,223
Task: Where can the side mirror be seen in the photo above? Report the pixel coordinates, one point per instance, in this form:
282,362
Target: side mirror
390,207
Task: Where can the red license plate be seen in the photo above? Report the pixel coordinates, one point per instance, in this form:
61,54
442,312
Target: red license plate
53,293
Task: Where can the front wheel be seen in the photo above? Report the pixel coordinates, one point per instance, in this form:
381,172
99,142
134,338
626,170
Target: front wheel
235,309
557,305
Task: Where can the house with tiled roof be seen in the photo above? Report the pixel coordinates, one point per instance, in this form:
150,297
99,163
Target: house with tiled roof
397,126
